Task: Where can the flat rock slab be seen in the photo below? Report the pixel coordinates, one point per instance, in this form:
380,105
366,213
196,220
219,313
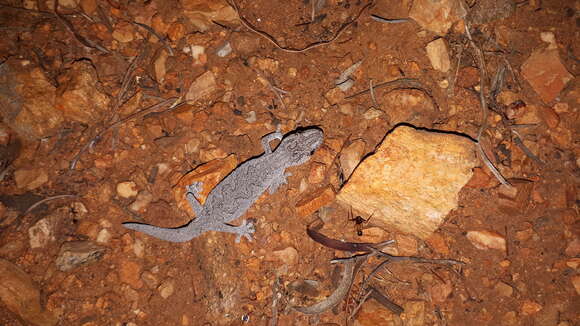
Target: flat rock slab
21,296
412,181
546,73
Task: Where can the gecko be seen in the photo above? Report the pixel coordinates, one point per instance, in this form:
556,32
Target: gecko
240,189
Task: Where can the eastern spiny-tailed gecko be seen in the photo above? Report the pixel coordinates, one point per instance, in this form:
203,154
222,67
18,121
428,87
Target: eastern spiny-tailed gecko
239,190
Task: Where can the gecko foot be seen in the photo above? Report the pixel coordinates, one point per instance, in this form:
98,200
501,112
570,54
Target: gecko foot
194,188
245,230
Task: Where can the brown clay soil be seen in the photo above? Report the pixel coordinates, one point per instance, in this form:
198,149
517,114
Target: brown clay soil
211,280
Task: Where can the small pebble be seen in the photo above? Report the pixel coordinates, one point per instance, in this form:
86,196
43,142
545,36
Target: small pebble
127,189
224,50
166,289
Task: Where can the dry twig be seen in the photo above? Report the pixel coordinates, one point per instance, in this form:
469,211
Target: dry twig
310,46
153,32
175,102
38,203
484,109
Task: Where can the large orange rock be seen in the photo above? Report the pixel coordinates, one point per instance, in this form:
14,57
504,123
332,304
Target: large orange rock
19,294
412,181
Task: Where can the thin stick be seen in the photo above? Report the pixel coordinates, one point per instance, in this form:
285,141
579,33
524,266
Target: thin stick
382,299
38,203
176,103
373,98
310,46
275,294
525,149
363,300
69,26
339,293
153,32
389,21
484,110
454,80
401,83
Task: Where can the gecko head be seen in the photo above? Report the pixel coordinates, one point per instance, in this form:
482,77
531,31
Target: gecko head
298,147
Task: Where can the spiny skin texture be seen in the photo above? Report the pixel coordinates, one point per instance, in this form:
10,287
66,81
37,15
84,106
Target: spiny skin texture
238,191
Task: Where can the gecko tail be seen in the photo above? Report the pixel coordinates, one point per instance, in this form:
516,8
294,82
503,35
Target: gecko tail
179,234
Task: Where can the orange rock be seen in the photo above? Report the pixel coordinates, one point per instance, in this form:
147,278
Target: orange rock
468,77
351,157
412,181
549,116
406,245
503,289
530,307
130,273
546,73
324,154
441,291
124,32
158,24
576,282
78,96
487,240
288,256
176,31
311,202
573,248
88,6
203,86
334,96
210,174
317,172
437,16
21,296
28,103
30,178
480,179
437,242
372,313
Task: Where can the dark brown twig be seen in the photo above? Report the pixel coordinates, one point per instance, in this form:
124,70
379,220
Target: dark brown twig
153,32
372,248
359,305
382,299
525,149
69,26
310,46
339,245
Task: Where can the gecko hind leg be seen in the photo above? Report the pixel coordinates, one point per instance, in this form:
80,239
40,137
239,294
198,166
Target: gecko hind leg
246,229
193,190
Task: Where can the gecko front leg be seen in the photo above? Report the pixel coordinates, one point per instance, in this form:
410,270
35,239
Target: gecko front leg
268,138
278,181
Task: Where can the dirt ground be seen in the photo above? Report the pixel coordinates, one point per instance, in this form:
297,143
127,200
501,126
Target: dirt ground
137,94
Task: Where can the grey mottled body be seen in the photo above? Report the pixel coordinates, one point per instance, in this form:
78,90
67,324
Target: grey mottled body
238,191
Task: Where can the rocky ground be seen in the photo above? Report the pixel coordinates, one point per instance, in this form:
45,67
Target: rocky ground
109,108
